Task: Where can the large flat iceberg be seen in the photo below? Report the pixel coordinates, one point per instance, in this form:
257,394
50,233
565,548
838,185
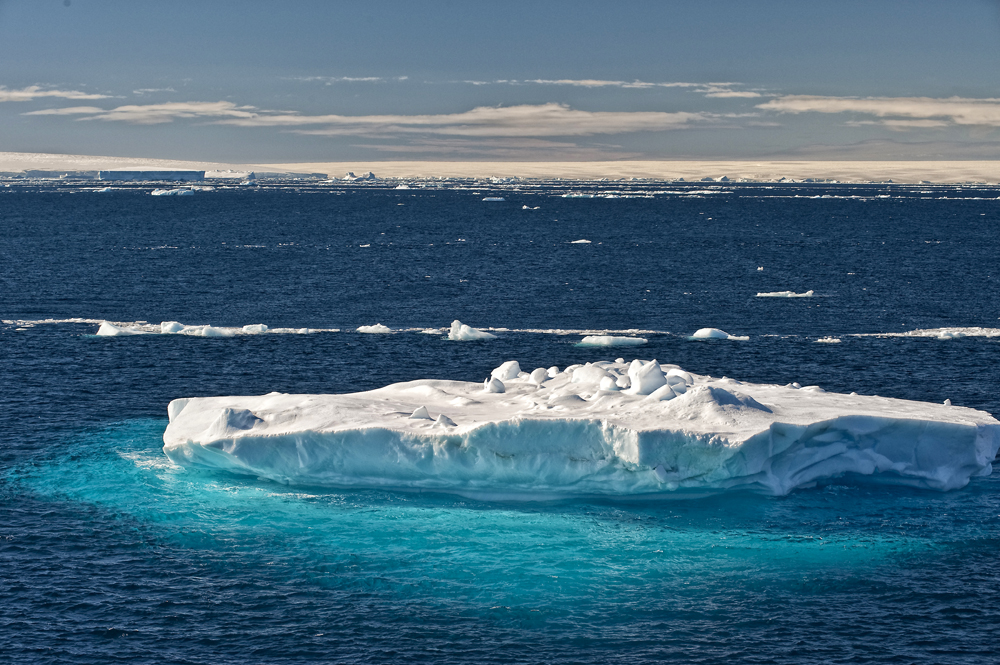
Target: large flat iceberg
601,429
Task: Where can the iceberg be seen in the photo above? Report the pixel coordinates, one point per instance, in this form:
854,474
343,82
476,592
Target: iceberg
460,332
604,429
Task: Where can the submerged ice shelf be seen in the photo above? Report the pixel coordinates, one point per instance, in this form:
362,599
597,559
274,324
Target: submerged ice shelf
601,429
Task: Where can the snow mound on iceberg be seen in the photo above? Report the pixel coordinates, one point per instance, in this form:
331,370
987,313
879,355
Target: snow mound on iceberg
600,429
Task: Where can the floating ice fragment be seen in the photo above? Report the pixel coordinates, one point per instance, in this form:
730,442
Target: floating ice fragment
462,333
377,328
111,330
828,340
582,241
785,294
255,329
610,340
715,333
494,198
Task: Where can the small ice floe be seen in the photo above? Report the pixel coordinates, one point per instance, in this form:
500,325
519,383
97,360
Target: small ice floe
785,294
173,192
530,208
494,198
460,332
715,333
828,340
581,241
610,340
377,328
575,195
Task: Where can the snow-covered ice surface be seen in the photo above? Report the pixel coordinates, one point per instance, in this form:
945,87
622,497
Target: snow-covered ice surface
785,294
601,429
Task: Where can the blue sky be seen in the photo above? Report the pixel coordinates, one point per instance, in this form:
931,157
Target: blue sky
328,81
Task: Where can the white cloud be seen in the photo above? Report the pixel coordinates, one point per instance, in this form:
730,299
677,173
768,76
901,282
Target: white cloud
36,92
330,80
144,91
898,112
153,114
509,121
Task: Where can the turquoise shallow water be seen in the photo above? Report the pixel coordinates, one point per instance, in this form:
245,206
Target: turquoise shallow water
110,554
614,581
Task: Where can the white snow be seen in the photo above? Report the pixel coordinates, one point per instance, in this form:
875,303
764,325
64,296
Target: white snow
715,333
574,434
611,340
462,333
377,328
785,294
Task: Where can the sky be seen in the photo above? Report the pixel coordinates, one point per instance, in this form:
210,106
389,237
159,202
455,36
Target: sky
309,81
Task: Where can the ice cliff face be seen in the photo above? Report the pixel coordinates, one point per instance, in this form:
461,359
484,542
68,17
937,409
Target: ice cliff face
605,429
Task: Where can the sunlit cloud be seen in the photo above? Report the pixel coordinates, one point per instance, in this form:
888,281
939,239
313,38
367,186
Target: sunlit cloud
511,121
898,112
38,92
154,114
331,80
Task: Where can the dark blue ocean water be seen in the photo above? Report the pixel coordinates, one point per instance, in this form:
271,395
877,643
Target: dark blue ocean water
110,554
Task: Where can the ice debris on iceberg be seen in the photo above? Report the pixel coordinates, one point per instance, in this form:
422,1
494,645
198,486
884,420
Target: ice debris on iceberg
601,429
462,333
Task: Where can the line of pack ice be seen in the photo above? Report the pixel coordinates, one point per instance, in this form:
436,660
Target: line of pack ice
610,428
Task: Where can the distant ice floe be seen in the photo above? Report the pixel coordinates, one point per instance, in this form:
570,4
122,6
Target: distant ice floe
940,333
581,241
715,333
529,207
460,332
496,199
378,328
610,340
609,429
785,294
828,340
173,192
109,329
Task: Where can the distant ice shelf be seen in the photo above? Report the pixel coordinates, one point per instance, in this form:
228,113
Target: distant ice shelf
611,429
